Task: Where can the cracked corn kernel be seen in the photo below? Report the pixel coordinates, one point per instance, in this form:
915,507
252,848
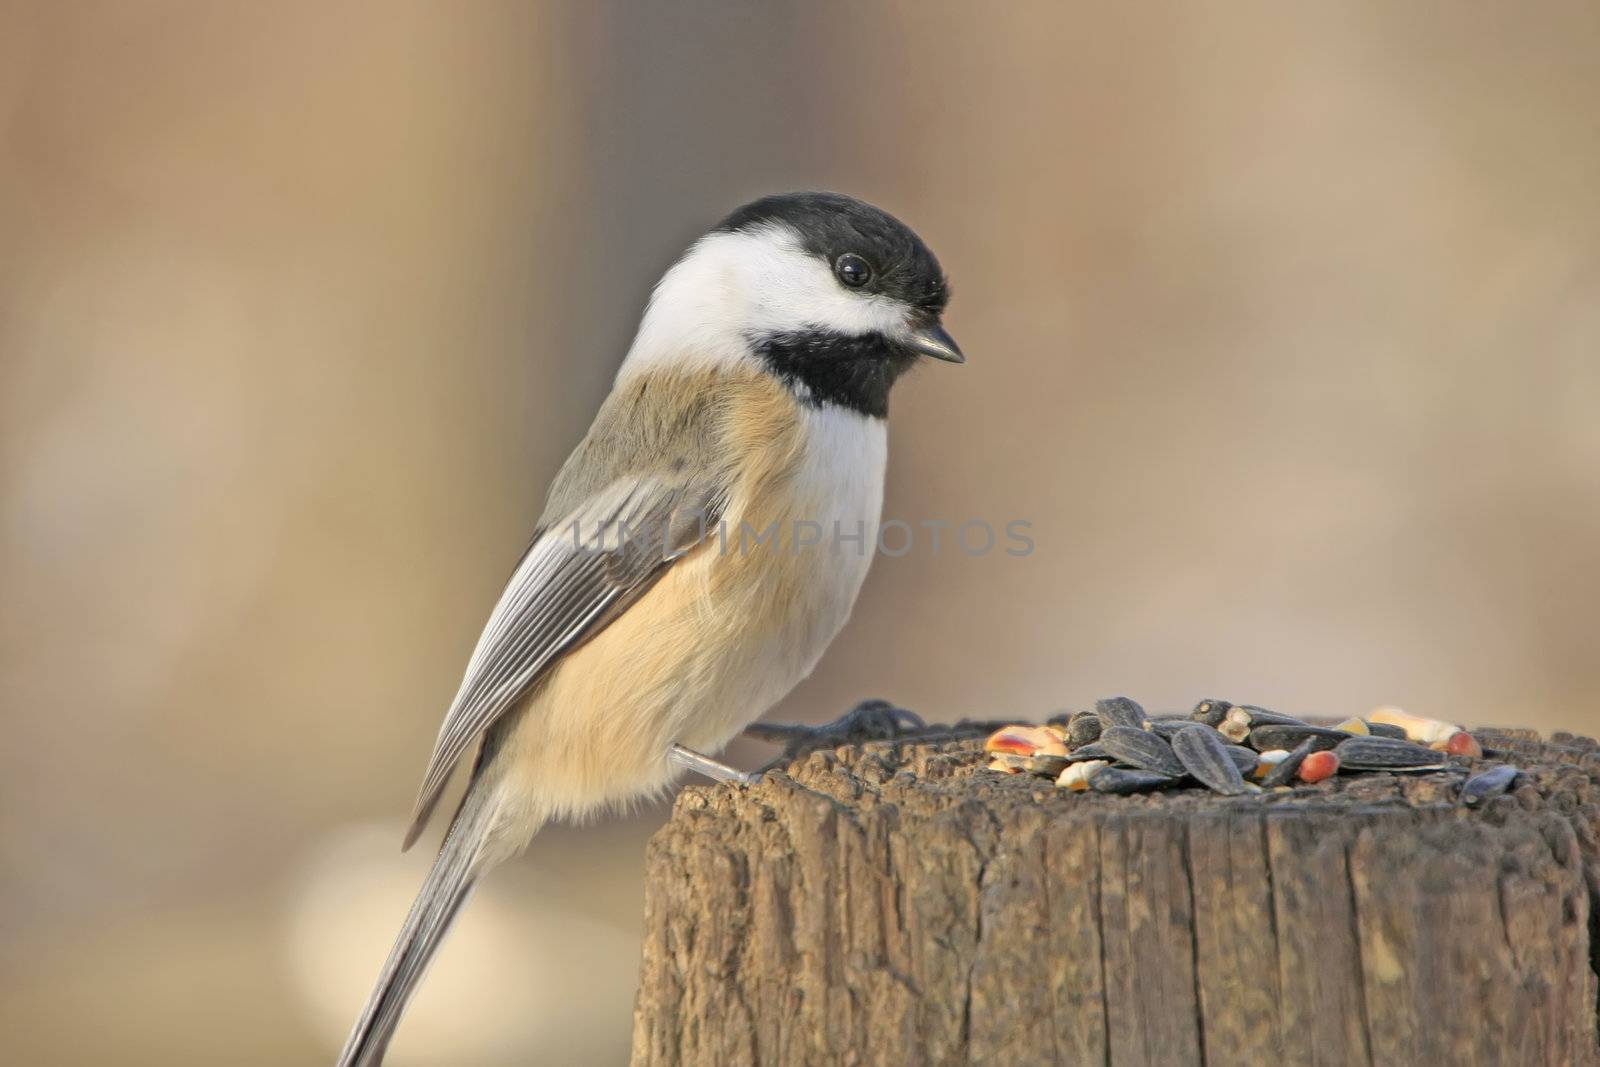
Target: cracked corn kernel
1318,766
1025,741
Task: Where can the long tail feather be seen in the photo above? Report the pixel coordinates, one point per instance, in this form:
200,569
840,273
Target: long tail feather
447,888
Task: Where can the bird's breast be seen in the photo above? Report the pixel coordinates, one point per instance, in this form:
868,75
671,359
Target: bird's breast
790,558
730,628
820,518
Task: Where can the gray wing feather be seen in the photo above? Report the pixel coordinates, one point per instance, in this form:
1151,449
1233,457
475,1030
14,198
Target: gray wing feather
573,580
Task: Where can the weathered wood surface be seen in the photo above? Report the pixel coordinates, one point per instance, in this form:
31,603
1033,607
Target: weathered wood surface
895,904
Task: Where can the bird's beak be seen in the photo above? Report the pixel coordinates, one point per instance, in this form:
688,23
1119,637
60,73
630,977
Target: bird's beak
933,341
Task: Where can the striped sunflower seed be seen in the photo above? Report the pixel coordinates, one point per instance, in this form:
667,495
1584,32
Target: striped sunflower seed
1210,711
1006,763
1489,783
1263,738
1119,711
1047,764
1121,780
1246,759
1267,717
1386,754
1204,755
1083,728
1141,749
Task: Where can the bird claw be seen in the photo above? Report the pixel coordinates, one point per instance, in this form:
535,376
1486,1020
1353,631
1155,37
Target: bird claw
873,720
870,720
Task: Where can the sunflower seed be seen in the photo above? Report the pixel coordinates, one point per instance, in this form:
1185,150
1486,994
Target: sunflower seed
1141,749
1201,751
1284,772
1121,780
1047,764
1006,763
1133,751
1276,736
1489,783
1119,711
1243,758
1386,754
1083,728
1266,717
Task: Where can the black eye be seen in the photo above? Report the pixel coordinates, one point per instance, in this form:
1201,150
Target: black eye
852,270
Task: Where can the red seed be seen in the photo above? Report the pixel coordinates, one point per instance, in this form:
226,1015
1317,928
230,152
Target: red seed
1462,743
1025,741
1015,746
1319,765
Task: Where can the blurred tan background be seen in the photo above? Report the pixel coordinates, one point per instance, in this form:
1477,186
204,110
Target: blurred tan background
1284,332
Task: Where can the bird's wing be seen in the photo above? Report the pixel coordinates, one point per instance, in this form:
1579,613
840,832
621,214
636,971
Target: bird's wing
577,576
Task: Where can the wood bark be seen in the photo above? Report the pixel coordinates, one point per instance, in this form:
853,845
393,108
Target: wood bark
894,903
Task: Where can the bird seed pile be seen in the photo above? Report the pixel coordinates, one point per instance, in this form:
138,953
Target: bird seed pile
1232,749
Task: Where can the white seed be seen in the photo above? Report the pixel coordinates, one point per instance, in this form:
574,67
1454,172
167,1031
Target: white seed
1421,730
1076,777
1267,760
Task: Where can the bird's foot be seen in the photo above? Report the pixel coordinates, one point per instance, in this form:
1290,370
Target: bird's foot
870,720
691,760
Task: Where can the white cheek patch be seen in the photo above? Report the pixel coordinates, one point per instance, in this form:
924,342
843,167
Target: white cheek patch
731,287
789,289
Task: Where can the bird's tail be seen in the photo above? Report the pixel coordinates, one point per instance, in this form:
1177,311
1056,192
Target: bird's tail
461,860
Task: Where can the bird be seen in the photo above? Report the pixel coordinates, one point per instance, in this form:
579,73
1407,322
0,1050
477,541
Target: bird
698,551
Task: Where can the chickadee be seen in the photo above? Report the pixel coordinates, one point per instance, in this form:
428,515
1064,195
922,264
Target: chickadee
641,629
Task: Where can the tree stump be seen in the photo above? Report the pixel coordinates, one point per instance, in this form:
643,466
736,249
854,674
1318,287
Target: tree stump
895,903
